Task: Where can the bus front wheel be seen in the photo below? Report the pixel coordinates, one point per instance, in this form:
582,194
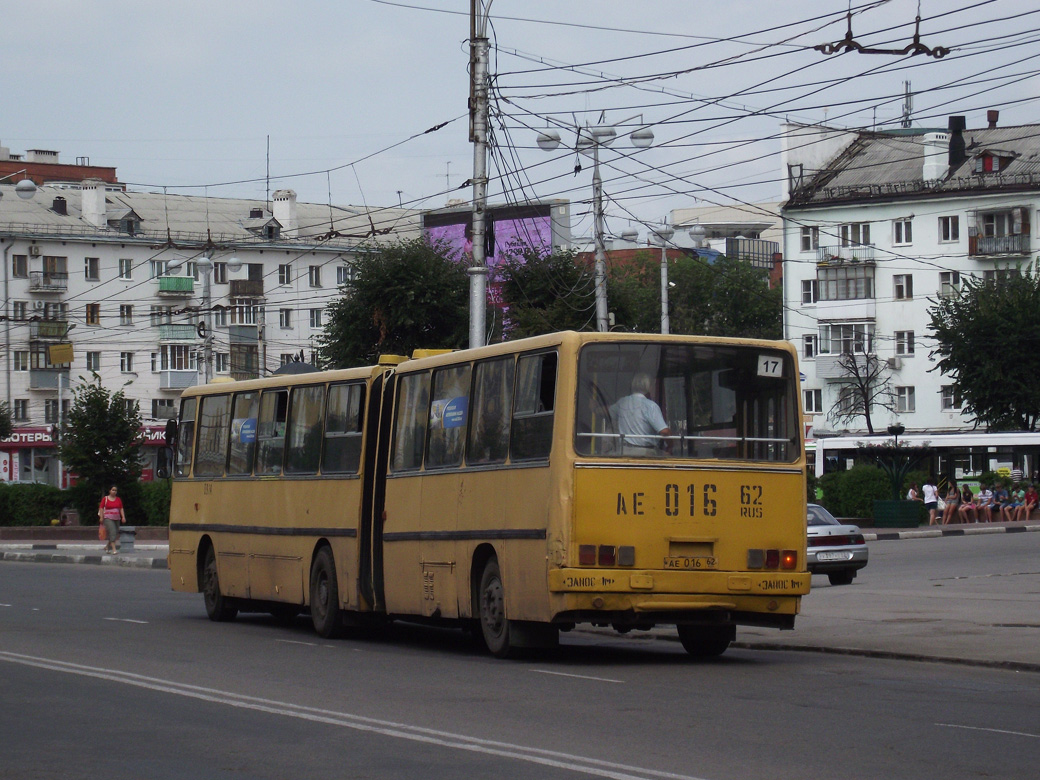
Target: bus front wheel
493,623
706,641
219,607
325,611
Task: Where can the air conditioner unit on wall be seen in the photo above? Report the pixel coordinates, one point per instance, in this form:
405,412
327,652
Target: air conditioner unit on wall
38,305
35,250
895,363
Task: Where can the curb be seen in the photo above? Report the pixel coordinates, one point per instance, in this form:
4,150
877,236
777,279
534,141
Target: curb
932,533
125,561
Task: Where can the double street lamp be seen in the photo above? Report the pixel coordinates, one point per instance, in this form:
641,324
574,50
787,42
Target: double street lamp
591,138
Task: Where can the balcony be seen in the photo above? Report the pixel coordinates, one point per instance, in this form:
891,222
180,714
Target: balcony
48,330
247,288
176,287
48,282
243,334
177,380
988,246
837,255
47,378
177,333
759,253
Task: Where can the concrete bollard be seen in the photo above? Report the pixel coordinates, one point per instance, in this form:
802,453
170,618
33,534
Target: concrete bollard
127,534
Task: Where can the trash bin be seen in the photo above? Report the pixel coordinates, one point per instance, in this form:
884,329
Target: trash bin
69,516
127,534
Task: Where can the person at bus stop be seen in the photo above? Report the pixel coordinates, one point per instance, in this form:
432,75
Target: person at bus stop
111,514
968,506
1000,497
931,499
639,420
911,494
984,504
1016,497
953,500
1029,501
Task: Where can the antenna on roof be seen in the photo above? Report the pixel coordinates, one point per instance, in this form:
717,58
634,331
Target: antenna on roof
268,171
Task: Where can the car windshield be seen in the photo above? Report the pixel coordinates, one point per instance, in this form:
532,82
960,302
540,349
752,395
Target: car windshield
721,401
820,516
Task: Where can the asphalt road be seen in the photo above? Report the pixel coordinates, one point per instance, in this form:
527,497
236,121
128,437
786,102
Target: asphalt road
107,673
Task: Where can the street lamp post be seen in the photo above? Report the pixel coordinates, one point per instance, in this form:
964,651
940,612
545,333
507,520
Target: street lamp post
205,266
664,235
26,190
591,139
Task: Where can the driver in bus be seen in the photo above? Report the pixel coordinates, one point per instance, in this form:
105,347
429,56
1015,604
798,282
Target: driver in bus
639,420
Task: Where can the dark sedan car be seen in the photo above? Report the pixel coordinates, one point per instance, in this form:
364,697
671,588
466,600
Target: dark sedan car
834,549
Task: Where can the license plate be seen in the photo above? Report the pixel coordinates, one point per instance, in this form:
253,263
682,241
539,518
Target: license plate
834,555
705,562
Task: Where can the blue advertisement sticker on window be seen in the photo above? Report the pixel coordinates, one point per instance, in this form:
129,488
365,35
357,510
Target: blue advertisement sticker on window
455,412
246,430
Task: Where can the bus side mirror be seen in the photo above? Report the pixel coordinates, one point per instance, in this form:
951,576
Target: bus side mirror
171,433
163,459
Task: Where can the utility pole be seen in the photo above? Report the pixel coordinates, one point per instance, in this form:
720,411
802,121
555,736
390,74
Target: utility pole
478,114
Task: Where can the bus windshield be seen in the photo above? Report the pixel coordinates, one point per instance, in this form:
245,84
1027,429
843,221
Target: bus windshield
705,401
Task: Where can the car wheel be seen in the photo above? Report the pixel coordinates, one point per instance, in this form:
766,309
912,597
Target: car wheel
843,577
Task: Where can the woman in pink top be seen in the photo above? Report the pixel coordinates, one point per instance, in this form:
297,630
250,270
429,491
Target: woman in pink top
111,514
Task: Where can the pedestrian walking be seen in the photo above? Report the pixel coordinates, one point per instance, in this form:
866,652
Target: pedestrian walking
111,515
931,499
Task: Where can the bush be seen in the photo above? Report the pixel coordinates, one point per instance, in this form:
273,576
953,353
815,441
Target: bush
852,493
30,504
155,502
810,487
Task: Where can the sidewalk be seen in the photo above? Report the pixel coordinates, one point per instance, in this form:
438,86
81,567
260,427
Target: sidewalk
143,556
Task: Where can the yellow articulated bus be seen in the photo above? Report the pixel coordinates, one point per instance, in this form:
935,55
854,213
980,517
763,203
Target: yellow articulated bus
519,489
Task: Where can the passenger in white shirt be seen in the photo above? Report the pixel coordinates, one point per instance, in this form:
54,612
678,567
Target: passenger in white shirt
931,499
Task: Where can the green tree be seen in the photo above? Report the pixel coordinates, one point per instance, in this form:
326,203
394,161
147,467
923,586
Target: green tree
545,293
6,425
987,343
99,443
404,296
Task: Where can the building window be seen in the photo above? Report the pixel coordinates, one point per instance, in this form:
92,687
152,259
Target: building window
222,361
903,287
286,357
902,232
245,311
20,310
91,269
344,274
126,314
177,357
810,346
315,319
157,268
164,408
855,234
810,290
904,342
846,337
21,360
220,273
997,276
846,282
285,318
949,229
813,401
93,361
285,274
314,275
810,239
130,404
155,362
55,311
220,317
949,284
20,266
950,398
126,362
905,399
93,316
50,410
126,268
160,315
21,409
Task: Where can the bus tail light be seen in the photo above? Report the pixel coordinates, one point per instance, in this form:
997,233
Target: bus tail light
772,559
607,555
587,555
789,559
626,556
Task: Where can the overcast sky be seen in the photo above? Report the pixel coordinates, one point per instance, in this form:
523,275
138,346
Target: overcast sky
185,94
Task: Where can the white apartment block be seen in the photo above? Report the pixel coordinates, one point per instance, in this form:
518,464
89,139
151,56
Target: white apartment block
877,225
121,276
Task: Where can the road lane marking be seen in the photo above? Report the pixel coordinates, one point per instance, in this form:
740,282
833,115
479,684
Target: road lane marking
993,731
127,620
578,676
552,758
295,642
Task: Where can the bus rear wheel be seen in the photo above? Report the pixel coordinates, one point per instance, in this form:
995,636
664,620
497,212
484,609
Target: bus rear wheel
325,612
219,607
492,603
706,641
